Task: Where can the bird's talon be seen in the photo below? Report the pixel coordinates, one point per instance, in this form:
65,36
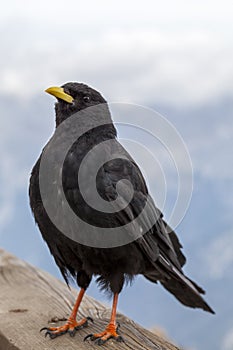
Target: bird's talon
70,327
120,339
85,324
88,318
100,341
109,333
88,336
43,329
52,335
72,332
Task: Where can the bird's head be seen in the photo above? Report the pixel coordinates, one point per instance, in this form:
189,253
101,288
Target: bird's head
72,98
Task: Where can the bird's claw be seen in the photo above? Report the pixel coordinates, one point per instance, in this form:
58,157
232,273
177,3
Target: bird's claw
72,332
53,335
109,333
120,339
71,327
88,336
88,318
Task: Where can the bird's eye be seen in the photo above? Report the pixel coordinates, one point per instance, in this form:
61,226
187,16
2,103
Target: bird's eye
86,98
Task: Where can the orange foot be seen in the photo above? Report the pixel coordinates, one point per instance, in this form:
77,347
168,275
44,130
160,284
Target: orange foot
109,333
70,327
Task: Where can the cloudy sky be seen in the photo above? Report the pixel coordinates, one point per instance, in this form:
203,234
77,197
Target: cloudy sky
174,51
172,56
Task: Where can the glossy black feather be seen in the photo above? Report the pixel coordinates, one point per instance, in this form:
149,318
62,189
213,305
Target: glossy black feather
156,255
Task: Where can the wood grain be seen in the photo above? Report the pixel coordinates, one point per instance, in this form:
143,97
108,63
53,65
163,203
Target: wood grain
31,299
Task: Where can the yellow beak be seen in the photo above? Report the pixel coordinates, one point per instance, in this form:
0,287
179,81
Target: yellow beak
59,93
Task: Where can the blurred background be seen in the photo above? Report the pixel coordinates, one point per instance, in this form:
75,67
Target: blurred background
173,56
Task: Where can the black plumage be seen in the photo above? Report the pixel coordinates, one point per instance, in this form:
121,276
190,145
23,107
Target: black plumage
157,254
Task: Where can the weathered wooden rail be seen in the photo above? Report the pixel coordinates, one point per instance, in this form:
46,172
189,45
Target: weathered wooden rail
31,299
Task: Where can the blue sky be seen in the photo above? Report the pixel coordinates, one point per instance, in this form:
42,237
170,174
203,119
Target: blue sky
173,56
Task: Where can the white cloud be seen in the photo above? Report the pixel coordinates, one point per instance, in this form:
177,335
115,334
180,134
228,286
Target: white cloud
172,53
121,12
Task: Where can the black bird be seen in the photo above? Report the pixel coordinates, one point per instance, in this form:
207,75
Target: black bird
156,253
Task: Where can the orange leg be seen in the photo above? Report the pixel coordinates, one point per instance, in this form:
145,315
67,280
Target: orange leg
71,326
111,329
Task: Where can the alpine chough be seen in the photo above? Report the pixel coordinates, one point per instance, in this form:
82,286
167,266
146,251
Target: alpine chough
155,254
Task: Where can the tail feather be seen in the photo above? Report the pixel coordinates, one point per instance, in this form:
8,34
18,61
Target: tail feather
185,290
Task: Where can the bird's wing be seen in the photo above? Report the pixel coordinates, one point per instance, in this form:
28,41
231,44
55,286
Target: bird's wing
159,239
147,228
160,244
